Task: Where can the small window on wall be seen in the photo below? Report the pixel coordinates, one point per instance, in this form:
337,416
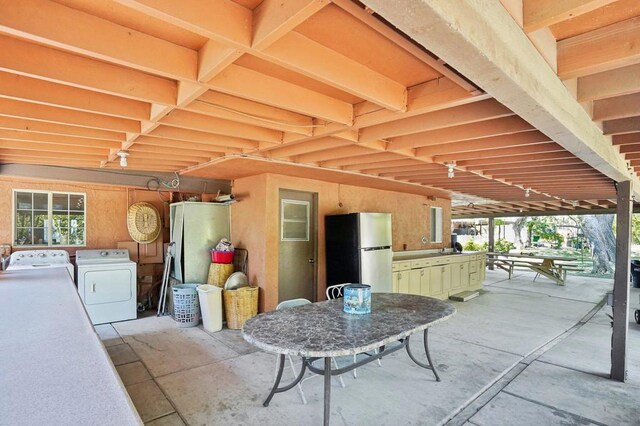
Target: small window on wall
294,220
45,219
435,221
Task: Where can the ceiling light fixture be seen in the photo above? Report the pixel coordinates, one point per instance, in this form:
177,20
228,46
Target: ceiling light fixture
123,158
527,192
450,170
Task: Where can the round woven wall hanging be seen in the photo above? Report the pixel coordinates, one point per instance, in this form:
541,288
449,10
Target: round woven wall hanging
143,222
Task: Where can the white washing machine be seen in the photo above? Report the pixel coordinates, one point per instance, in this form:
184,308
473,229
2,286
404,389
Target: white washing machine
107,284
40,259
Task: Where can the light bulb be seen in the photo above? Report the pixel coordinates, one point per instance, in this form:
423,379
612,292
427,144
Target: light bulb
450,171
123,158
526,192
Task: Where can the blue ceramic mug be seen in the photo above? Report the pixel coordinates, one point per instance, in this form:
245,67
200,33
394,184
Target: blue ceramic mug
357,299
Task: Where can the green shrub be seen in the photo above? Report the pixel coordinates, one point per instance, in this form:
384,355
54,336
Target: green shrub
504,246
471,246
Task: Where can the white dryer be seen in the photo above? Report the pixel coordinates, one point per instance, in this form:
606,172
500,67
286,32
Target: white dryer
107,284
40,259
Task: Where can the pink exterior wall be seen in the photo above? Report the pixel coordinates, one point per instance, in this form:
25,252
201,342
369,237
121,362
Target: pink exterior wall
259,233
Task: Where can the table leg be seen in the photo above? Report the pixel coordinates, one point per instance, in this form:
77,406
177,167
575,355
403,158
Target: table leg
277,382
426,349
327,390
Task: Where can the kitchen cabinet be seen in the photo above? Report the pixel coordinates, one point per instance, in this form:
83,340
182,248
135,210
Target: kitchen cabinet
401,282
439,276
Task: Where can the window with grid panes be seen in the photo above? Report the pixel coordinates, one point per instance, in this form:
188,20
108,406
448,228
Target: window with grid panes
46,218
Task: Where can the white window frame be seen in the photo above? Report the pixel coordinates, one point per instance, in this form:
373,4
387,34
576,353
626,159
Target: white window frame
14,207
283,220
435,228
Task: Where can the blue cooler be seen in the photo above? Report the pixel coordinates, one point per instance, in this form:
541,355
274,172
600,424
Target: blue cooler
357,299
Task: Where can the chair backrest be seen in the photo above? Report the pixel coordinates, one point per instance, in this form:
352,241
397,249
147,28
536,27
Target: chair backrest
335,291
292,303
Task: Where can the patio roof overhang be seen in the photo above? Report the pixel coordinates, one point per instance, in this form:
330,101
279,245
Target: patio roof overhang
329,85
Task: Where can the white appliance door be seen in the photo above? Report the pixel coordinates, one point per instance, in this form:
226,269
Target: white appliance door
107,286
375,230
375,269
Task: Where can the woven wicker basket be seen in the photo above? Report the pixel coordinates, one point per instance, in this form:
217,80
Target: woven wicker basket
240,305
143,222
218,273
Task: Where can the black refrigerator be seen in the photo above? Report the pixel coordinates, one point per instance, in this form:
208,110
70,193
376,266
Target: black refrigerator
358,250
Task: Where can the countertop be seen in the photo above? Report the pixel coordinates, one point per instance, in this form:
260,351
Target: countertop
53,367
404,256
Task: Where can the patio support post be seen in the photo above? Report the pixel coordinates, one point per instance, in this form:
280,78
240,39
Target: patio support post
492,228
621,283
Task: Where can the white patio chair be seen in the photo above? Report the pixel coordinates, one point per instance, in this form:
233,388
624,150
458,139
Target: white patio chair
335,292
292,304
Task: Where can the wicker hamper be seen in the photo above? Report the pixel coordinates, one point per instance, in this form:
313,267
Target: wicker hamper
218,273
240,305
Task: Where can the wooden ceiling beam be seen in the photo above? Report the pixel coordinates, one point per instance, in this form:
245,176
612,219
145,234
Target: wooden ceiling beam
34,126
538,14
309,58
41,62
544,170
202,137
19,109
321,144
532,164
29,89
496,127
203,123
51,161
618,107
459,115
630,148
606,48
491,142
24,136
376,164
154,142
382,158
622,125
49,154
44,147
65,28
228,107
245,83
546,147
515,159
629,138
608,84
175,152
330,154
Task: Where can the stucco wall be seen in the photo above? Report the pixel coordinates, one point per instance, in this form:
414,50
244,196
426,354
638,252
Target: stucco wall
259,233
106,209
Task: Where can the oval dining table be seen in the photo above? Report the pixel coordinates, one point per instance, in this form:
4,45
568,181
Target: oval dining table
323,330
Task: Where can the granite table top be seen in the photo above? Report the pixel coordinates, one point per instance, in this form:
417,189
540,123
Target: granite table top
324,330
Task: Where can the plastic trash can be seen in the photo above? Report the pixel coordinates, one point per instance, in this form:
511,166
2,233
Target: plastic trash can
186,309
211,307
635,273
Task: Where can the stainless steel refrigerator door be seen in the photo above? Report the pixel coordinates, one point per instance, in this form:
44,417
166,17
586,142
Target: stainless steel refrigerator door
375,230
375,270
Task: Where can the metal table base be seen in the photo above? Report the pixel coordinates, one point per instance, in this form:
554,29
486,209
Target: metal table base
327,371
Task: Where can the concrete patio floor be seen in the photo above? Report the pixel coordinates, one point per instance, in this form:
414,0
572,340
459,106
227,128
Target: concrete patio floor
524,352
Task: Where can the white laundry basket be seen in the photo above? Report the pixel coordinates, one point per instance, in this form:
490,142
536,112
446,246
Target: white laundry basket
186,309
211,307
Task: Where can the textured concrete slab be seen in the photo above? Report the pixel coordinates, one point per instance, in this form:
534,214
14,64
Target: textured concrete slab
232,391
504,409
122,354
149,400
108,335
165,348
133,373
576,288
234,340
170,420
589,350
582,394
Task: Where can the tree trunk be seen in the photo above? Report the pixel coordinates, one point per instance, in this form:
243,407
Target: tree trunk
599,232
518,226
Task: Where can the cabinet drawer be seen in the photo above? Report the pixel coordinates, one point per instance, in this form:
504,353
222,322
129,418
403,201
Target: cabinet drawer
441,261
418,263
473,266
400,266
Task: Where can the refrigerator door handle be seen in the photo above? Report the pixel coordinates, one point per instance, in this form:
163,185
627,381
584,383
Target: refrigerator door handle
377,248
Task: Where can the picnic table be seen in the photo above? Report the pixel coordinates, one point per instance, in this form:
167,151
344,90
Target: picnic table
553,267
